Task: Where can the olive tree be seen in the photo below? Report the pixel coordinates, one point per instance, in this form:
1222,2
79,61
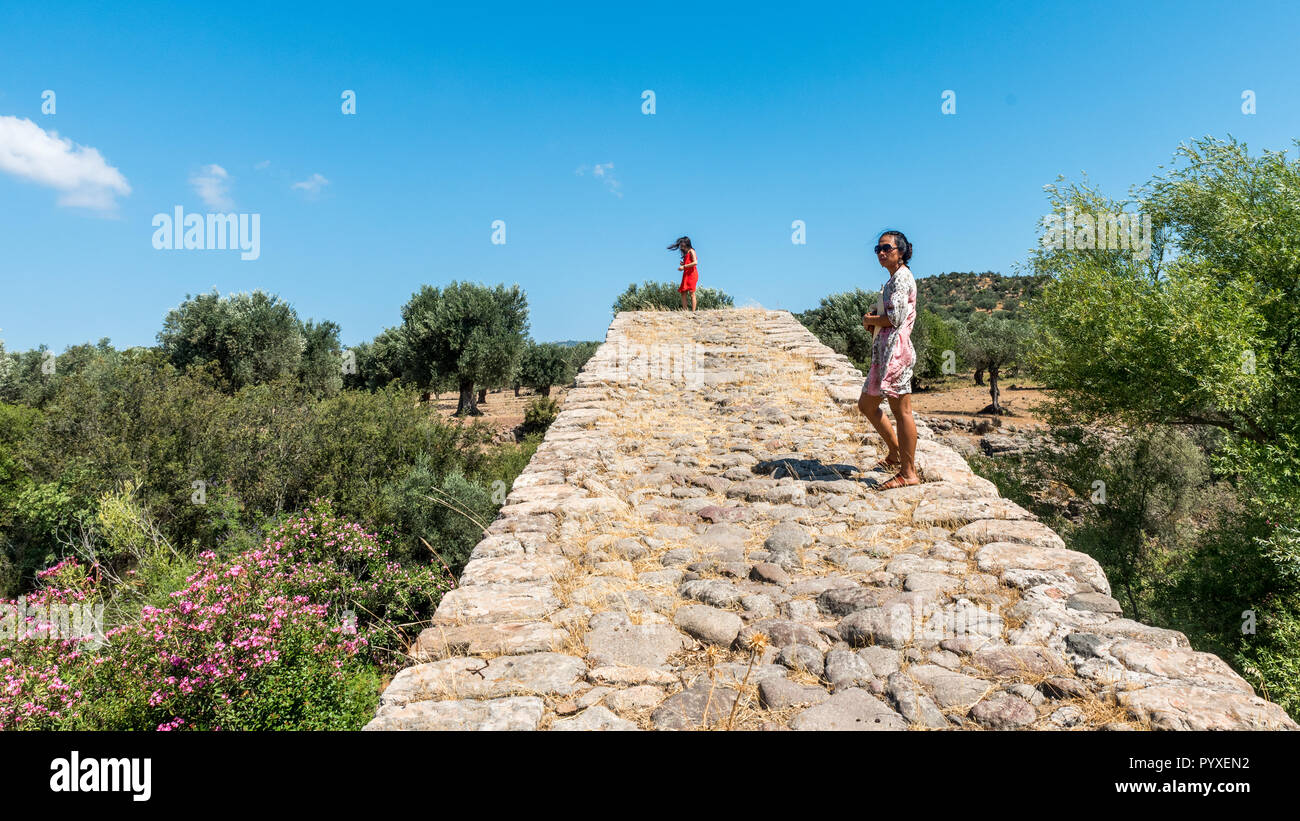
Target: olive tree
544,365
992,345
253,338
837,322
467,331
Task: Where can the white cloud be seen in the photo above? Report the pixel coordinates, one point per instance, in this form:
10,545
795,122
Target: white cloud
212,184
312,185
605,173
263,165
86,181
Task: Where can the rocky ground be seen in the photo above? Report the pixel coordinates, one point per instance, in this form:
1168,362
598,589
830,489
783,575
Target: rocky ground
701,547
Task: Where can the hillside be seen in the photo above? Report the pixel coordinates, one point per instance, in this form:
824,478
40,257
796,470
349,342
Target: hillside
956,295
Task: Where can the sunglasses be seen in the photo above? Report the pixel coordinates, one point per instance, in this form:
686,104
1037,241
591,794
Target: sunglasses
884,247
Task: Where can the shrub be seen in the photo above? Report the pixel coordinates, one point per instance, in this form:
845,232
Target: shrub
544,365
539,414
837,322
664,296
447,511
251,642
932,338
580,353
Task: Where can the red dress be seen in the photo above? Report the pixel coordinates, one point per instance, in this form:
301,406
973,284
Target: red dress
690,272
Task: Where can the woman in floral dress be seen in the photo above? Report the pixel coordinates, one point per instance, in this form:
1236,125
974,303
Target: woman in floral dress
892,360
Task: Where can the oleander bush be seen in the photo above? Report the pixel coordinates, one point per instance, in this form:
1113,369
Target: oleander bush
293,634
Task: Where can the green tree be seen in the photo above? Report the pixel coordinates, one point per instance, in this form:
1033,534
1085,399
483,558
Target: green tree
1202,332
932,338
377,363
544,365
579,353
1151,483
447,510
321,368
837,322
470,331
991,345
30,379
1207,338
254,338
6,370
664,296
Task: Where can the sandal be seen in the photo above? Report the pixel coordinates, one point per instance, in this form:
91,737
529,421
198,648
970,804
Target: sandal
896,481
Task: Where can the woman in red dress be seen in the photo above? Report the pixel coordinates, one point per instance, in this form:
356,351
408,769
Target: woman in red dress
689,269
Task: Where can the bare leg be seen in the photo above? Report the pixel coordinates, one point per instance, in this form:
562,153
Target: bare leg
692,299
902,408
870,407
683,300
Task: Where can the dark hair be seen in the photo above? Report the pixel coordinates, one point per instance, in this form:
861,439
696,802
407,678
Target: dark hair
682,244
904,247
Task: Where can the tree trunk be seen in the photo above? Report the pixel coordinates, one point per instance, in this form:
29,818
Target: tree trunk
467,406
546,391
482,395
979,377
993,390
516,390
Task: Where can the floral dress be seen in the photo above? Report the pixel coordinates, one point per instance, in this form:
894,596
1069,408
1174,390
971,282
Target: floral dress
892,355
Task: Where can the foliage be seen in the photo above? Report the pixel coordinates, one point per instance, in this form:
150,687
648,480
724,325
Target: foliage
320,369
1201,334
256,641
253,338
837,322
956,295
544,365
579,353
1147,490
260,452
470,331
447,511
1206,337
1273,664
989,343
6,370
932,336
664,296
539,414
993,345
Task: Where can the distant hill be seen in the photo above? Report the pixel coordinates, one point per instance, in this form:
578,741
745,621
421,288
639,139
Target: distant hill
569,343
957,295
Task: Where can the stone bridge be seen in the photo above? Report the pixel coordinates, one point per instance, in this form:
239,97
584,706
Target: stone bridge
697,544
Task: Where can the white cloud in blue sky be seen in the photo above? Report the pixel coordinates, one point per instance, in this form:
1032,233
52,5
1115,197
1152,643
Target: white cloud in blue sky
212,184
80,173
605,173
312,185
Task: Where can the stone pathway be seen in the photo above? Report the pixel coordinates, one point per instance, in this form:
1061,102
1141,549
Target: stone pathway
696,545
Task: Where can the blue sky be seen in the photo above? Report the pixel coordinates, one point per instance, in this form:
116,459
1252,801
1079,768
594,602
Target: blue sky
828,114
